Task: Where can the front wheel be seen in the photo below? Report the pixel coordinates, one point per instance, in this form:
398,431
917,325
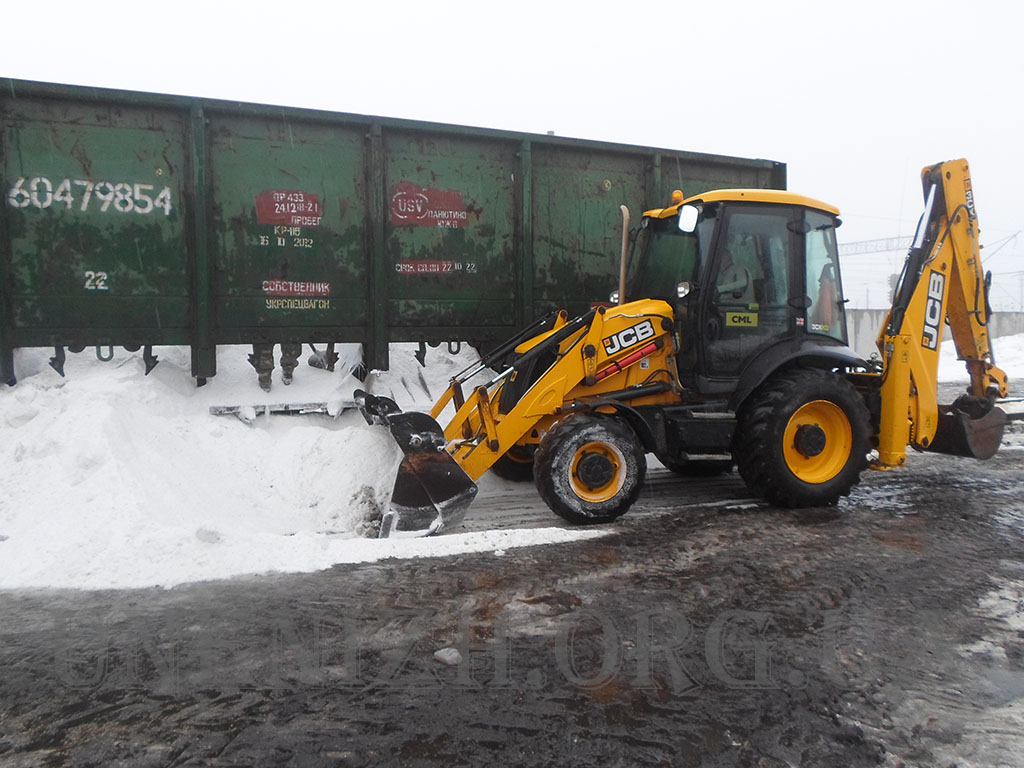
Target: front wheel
802,439
590,468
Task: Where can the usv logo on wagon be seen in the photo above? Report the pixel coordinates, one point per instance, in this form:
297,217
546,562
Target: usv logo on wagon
628,337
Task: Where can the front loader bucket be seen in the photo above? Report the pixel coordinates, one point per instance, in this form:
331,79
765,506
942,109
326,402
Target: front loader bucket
970,427
432,492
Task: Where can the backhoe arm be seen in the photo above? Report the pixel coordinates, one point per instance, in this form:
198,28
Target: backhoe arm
942,283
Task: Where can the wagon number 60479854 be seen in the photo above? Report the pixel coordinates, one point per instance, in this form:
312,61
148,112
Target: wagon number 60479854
123,197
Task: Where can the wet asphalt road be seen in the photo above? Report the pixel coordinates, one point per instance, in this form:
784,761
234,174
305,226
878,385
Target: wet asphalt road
705,629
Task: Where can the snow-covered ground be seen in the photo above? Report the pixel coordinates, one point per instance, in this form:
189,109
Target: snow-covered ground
116,479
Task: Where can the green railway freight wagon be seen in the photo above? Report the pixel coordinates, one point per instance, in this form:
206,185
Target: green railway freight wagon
136,219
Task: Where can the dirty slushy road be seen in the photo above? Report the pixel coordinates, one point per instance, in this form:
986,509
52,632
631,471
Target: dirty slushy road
704,629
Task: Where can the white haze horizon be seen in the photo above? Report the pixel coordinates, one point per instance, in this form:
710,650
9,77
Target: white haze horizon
854,98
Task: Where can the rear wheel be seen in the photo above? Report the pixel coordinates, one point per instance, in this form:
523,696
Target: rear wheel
699,467
802,439
516,464
590,468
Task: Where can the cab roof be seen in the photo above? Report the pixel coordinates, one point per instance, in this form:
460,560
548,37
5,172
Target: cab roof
777,196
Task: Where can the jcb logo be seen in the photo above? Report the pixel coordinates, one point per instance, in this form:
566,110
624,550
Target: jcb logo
933,310
629,337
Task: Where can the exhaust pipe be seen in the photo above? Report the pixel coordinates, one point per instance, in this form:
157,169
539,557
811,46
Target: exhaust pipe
622,257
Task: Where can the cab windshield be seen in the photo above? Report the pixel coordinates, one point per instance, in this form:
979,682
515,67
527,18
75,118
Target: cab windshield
827,311
664,257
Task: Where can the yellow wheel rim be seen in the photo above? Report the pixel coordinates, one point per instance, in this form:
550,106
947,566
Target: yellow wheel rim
597,474
818,441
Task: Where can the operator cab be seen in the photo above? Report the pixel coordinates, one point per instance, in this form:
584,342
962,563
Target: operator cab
747,271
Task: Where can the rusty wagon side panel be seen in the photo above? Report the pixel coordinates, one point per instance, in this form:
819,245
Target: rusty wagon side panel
141,219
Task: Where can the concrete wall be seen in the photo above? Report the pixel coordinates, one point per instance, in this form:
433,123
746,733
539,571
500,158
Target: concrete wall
863,326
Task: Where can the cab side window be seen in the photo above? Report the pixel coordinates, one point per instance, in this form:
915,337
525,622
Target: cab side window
749,306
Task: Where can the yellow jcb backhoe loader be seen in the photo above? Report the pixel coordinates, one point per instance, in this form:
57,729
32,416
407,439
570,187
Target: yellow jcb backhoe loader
736,352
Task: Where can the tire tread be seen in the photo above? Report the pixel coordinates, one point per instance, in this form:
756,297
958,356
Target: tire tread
762,420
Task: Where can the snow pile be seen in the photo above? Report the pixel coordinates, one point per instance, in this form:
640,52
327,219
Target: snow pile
117,479
1009,355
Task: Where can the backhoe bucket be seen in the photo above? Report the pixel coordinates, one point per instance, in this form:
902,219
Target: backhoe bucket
970,427
432,492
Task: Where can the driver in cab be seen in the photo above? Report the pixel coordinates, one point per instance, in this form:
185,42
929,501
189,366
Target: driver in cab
733,283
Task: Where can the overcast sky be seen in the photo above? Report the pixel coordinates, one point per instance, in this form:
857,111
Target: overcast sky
854,97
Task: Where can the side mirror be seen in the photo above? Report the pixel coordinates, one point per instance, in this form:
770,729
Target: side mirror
688,218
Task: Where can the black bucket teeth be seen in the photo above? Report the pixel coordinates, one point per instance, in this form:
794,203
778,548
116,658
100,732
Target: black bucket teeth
375,409
432,492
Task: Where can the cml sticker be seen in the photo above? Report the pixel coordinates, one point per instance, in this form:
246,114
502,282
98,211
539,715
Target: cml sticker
741,319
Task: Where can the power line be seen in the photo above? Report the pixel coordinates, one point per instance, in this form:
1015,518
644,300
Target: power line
1006,240
884,244
861,247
